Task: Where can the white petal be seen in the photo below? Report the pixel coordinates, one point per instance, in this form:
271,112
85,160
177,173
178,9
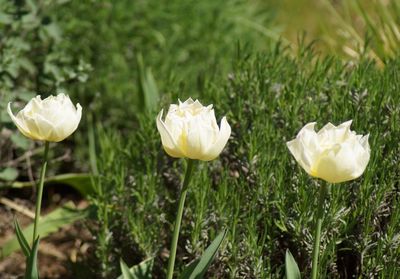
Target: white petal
20,124
297,149
45,129
167,140
362,154
194,145
346,124
222,139
189,101
337,164
364,142
305,148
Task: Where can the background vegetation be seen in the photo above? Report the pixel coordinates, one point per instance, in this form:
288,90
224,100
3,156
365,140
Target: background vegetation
125,60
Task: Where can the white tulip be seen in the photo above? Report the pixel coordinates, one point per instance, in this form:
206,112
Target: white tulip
52,119
334,154
191,130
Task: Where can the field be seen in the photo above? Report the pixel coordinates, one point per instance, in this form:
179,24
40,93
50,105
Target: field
116,189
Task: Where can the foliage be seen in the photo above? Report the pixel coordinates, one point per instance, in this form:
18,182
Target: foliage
48,224
199,267
180,42
351,28
139,271
292,270
32,61
255,188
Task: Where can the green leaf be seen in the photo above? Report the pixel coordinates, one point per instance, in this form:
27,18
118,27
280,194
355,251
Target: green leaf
292,270
140,271
31,263
54,31
9,174
23,243
5,18
20,141
148,91
82,182
126,273
151,90
198,268
189,269
62,216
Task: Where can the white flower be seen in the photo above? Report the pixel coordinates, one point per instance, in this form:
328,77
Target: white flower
191,130
334,154
52,119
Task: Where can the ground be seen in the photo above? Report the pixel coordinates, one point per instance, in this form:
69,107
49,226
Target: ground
59,254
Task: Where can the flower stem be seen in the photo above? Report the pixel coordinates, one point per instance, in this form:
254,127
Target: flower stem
317,237
40,191
178,220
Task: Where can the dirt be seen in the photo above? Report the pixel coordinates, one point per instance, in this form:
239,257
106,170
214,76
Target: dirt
61,254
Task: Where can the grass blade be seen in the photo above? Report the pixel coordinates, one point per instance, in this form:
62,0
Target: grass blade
189,269
31,264
198,268
126,273
148,91
23,243
292,270
140,271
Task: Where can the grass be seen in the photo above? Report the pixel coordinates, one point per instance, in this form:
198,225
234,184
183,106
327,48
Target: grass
255,188
352,29
182,42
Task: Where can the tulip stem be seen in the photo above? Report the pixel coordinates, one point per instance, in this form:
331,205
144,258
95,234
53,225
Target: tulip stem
174,244
40,190
317,237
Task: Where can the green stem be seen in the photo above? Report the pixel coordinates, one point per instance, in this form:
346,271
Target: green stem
317,237
171,262
40,191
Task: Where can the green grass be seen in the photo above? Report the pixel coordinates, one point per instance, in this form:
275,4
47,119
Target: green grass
352,28
182,42
255,188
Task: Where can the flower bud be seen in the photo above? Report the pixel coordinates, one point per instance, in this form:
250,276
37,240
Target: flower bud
334,154
52,119
191,130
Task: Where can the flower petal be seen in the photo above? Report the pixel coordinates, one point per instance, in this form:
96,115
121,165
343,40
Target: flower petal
305,146
337,164
222,139
20,124
167,140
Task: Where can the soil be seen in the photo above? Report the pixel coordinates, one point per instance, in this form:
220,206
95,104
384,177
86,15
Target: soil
61,254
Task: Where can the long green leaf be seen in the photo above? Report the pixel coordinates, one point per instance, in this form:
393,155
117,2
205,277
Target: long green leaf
31,271
148,91
126,273
23,243
82,182
151,90
50,223
189,269
140,271
292,270
198,268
